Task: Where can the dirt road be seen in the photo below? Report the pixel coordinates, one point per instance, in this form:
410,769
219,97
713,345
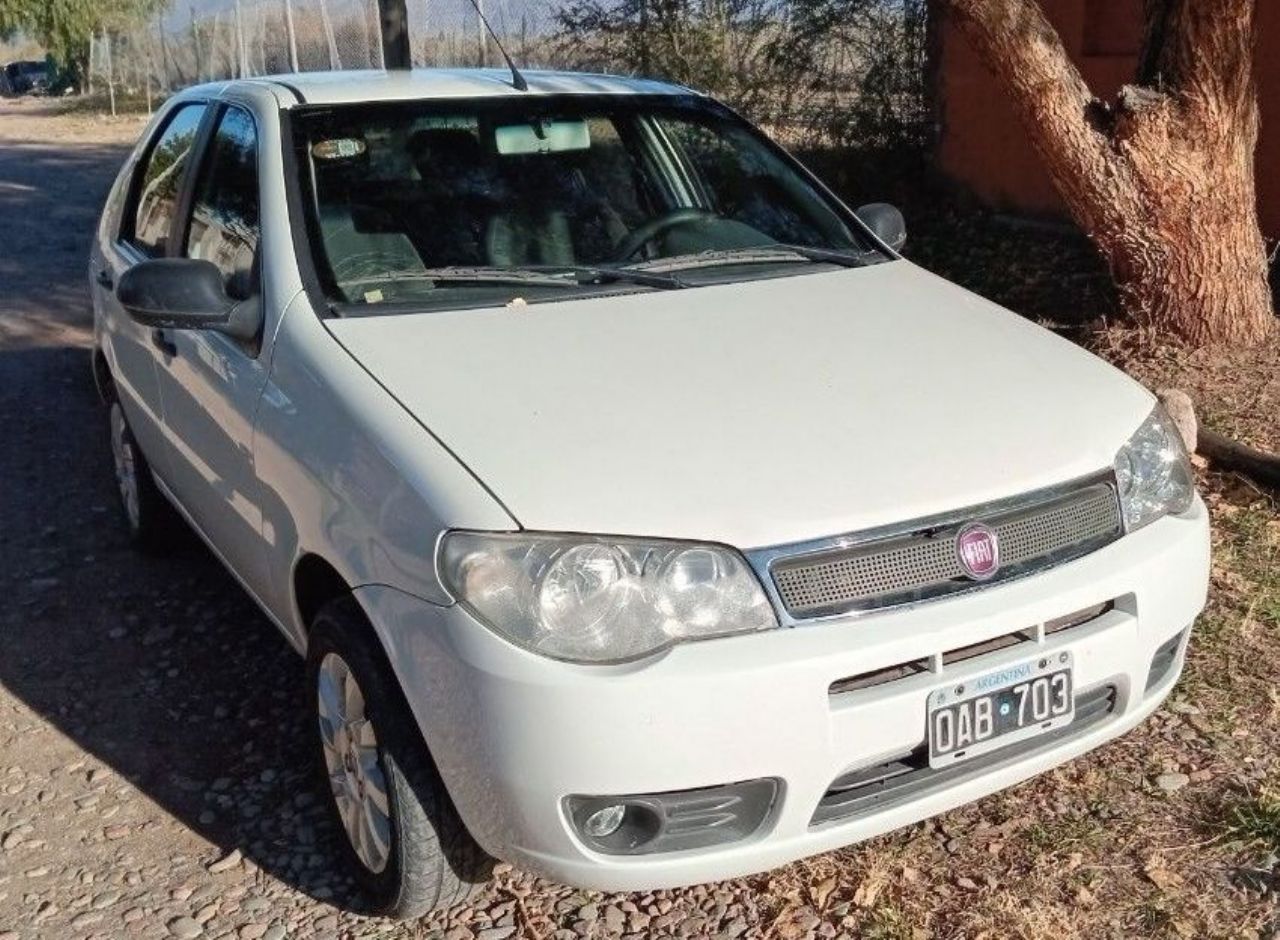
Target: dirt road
155,774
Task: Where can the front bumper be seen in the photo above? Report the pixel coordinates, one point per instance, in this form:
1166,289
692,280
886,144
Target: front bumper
514,734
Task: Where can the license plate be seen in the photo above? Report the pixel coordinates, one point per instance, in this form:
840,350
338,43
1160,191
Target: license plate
1000,708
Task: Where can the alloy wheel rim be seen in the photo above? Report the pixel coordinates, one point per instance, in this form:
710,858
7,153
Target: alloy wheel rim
356,778
126,466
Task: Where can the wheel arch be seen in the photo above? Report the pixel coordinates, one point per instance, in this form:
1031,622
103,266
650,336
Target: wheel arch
316,582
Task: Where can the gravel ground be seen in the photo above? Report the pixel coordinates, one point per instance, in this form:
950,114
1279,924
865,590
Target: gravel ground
154,770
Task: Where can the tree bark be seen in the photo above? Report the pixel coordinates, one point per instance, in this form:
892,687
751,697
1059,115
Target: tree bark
1161,178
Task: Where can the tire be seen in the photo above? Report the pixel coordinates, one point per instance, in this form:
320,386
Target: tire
148,515
428,859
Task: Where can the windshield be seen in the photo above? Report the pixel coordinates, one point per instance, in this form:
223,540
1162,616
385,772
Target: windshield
462,203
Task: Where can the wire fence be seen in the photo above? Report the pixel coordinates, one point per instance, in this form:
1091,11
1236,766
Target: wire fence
240,38
805,68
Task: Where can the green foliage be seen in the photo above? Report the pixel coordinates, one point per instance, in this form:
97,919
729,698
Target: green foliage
1257,819
63,27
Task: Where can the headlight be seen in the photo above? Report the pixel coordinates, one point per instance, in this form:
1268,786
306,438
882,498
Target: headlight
590,599
1153,472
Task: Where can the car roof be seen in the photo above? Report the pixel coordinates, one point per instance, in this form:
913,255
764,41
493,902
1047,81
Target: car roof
368,85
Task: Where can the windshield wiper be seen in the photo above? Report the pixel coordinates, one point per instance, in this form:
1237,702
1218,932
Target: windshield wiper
477,275
601,274
848,259
568,275
762,254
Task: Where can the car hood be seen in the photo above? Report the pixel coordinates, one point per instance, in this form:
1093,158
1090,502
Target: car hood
755,413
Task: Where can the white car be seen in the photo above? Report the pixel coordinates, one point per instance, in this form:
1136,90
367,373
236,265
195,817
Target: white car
643,517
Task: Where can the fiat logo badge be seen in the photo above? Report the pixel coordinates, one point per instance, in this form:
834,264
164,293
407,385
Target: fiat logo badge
978,550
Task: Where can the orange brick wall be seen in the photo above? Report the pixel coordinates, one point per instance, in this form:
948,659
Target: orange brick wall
984,148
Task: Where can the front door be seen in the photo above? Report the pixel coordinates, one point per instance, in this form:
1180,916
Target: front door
211,383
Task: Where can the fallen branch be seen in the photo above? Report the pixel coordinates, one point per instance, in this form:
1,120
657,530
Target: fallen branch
1222,452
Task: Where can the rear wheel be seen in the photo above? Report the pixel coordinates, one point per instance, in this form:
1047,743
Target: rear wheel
402,835
147,513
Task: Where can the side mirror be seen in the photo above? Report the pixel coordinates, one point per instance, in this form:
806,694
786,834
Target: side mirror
186,294
886,222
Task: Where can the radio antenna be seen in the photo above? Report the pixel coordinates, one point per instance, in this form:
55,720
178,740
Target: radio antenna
517,80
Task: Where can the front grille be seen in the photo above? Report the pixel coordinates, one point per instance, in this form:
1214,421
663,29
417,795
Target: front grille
909,776
922,562
906,670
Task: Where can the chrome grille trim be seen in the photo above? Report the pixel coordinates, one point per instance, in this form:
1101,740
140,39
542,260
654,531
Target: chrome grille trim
905,564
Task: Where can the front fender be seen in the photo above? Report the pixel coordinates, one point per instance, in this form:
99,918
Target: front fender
348,474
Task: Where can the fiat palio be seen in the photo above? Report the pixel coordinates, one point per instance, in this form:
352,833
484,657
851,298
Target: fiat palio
643,517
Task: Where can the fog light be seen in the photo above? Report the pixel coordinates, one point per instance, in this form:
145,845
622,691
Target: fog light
604,822
674,820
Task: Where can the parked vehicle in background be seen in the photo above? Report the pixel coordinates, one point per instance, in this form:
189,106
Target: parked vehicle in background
642,516
24,78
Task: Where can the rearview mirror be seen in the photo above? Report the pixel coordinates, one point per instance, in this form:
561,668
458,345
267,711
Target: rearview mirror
185,294
541,137
885,222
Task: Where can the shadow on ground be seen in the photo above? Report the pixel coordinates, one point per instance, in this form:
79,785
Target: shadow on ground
159,667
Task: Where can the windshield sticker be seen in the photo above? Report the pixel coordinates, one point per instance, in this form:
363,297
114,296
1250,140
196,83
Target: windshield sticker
340,148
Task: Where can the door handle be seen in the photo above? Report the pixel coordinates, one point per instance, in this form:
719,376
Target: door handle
160,340
103,277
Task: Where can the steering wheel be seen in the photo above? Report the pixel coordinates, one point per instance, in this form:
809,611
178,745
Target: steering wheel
656,226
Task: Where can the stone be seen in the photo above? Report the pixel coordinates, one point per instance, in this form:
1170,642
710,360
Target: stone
614,919
184,928
326,925
1172,782
226,863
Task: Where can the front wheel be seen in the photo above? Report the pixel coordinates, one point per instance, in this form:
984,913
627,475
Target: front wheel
403,837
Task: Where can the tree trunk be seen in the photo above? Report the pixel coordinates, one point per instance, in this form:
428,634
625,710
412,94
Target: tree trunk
1162,178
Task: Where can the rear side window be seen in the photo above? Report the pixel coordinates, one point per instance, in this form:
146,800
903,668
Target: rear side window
161,176
224,215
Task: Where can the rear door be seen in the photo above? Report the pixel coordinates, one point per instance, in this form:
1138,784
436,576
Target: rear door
141,231
211,383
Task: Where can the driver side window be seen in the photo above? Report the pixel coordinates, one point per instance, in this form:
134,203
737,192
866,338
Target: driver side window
224,225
